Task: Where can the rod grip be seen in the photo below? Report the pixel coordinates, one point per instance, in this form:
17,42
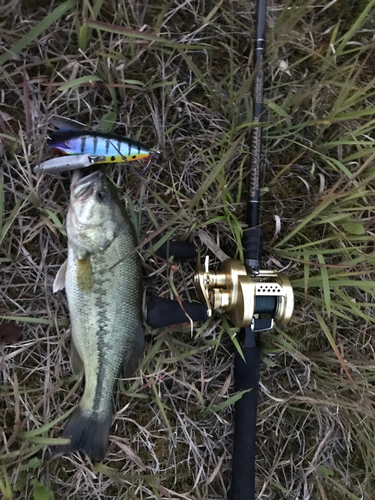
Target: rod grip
165,312
252,241
179,250
246,375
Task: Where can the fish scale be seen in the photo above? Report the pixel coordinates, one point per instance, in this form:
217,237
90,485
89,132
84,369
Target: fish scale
100,317
103,282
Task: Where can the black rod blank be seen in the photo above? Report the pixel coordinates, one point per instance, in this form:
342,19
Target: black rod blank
252,240
256,136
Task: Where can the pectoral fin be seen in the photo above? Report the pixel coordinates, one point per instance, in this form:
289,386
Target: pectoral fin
132,361
59,283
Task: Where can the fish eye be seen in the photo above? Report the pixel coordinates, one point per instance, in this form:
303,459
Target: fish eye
102,196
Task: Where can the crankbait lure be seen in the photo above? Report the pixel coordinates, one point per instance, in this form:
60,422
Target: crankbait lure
65,163
84,147
111,148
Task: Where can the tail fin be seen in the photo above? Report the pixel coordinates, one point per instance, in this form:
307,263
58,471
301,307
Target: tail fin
88,432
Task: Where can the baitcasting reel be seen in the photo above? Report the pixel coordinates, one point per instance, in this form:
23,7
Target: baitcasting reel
250,300
255,300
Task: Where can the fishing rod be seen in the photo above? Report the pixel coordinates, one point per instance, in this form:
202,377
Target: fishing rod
247,368
253,298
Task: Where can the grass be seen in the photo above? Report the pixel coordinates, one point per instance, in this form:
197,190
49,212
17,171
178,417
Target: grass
178,76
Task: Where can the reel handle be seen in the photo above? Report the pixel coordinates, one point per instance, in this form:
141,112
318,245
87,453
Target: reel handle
162,312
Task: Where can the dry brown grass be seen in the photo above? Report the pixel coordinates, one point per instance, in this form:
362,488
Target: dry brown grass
170,437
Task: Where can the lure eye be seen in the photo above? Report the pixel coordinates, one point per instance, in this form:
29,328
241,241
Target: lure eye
102,196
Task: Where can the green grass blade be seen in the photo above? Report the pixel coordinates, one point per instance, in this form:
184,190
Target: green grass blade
325,282
35,32
6,487
10,220
355,27
327,475
48,441
227,402
46,427
210,178
80,81
333,345
139,35
323,205
161,408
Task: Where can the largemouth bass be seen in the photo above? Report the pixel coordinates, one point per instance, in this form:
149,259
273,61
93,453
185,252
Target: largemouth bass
104,305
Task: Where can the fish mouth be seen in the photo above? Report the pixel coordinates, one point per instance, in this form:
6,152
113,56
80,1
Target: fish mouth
83,187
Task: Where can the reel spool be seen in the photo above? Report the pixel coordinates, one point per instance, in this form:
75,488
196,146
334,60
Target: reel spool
250,300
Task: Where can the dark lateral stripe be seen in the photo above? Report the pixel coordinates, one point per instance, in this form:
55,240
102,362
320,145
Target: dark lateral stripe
100,345
129,148
107,143
95,143
83,143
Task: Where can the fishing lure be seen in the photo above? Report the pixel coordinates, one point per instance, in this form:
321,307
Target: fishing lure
65,163
111,148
